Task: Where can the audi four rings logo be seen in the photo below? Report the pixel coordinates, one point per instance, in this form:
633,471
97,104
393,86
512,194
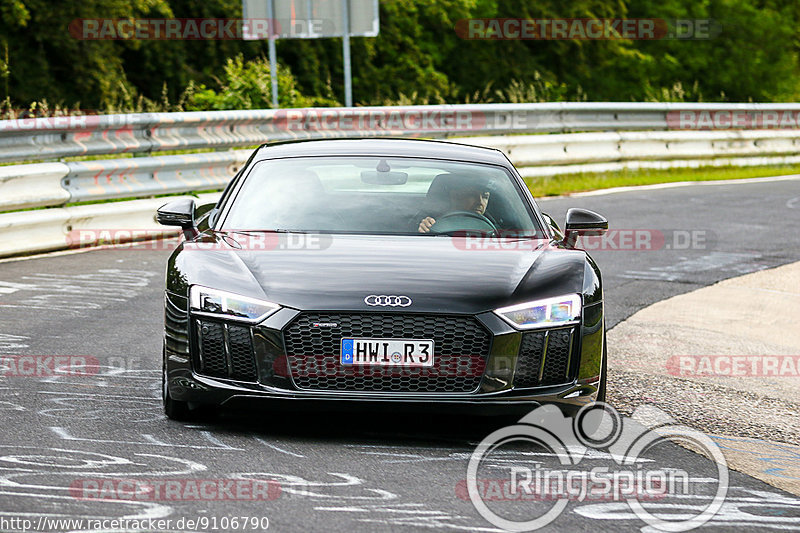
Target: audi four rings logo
387,301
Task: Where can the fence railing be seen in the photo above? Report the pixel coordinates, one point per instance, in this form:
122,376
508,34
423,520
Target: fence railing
613,136
57,137
549,155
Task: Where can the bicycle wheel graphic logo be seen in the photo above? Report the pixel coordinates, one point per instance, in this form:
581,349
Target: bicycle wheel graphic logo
597,427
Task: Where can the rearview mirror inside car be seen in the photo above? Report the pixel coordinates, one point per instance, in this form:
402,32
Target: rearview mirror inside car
373,177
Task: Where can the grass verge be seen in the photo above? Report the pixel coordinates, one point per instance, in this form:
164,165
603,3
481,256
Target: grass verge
568,183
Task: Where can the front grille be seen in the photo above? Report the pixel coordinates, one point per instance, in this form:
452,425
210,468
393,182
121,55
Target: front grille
461,346
544,358
226,351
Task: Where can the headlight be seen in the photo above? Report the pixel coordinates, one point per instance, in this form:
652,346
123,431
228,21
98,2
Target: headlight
223,304
546,313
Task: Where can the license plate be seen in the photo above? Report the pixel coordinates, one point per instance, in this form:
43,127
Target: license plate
387,352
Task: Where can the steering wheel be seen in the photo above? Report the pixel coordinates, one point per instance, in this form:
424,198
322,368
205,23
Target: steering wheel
463,221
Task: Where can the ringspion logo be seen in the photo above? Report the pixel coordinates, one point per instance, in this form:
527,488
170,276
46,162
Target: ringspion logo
541,485
568,441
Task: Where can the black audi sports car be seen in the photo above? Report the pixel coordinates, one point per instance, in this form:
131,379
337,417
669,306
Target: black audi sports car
386,273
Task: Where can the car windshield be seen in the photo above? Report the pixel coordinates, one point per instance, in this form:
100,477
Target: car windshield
370,195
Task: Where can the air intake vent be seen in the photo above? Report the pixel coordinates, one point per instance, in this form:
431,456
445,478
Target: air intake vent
226,351
544,358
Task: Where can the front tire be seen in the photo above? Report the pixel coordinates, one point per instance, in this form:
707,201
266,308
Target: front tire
601,391
174,409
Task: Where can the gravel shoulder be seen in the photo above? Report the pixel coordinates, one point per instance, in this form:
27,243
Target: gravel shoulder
722,359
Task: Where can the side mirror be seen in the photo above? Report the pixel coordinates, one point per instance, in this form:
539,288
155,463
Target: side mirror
583,222
177,213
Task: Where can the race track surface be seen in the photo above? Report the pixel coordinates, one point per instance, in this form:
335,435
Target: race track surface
337,472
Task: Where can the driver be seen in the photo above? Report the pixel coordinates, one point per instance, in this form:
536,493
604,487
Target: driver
468,196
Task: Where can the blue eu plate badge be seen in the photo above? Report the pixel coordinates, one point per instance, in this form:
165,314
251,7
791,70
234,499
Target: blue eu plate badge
347,351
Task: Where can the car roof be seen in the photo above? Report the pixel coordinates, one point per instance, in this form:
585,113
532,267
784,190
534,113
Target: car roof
382,147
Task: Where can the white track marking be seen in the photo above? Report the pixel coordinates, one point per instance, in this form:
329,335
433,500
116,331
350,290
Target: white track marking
213,440
148,440
10,343
269,445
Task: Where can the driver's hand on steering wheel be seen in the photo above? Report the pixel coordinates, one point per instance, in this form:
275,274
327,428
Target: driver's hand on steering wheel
425,225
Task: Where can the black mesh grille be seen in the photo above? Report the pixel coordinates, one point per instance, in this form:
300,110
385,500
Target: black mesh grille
557,357
461,345
529,362
215,355
212,349
243,365
555,346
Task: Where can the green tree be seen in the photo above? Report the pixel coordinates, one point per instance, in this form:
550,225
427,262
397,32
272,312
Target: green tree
416,58
248,85
47,62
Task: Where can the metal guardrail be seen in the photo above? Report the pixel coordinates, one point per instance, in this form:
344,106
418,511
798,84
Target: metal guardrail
548,155
57,184
58,137
149,176
620,135
37,185
82,226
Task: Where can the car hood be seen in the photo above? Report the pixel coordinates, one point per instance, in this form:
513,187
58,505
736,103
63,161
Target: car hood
438,274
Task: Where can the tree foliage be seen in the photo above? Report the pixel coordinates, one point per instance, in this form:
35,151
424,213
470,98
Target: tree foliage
417,58
248,85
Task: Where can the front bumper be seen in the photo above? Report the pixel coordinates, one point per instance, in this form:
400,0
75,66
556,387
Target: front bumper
512,378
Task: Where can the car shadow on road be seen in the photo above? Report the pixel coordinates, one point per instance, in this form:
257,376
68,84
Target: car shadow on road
358,427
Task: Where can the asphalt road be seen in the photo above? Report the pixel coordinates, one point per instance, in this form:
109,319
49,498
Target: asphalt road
337,472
